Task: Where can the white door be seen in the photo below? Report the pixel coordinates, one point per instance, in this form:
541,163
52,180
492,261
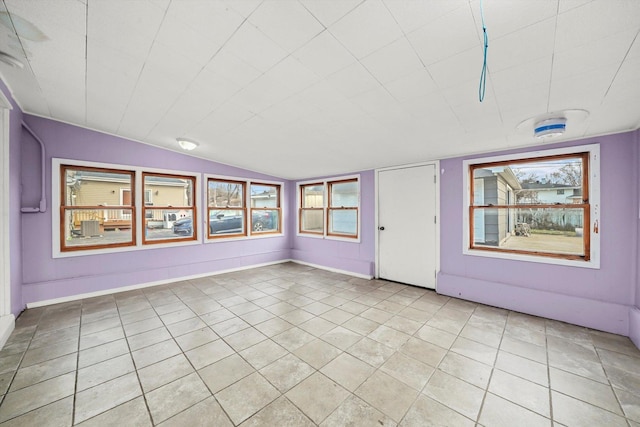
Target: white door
6,318
407,251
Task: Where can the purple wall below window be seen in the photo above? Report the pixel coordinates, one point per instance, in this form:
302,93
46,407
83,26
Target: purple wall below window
46,278
601,298
634,313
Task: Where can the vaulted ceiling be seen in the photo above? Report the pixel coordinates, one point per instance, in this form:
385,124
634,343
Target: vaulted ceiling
302,88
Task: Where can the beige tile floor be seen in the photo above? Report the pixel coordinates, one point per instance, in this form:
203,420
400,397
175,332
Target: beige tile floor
289,345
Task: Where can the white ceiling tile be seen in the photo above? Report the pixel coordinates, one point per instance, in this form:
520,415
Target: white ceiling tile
479,116
524,76
352,80
291,109
180,37
261,94
329,11
392,61
522,103
367,28
287,23
566,5
634,52
526,45
178,69
220,121
506,16
233,68
462,67
626,85
324,55
70,101
414,85
596,20
255,48
244,7
322,95
412,15
213,21
104,113
584,91
465,92
127,26
622,113
433,110
380,105
604,52
447,36
291,73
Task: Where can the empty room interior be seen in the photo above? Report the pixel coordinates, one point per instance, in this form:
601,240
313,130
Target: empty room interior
320,213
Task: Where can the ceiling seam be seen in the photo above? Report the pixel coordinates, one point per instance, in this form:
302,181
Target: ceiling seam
86,62
553,54
143,67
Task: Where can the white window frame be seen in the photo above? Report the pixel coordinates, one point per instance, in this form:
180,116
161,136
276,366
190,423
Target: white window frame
57,163
325,232
247,204
594,201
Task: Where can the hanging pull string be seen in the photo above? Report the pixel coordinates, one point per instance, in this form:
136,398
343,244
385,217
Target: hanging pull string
483,75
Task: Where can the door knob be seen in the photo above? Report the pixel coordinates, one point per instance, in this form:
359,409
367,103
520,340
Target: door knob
381,228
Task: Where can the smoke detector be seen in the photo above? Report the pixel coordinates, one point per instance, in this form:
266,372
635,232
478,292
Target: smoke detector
550,125
548,128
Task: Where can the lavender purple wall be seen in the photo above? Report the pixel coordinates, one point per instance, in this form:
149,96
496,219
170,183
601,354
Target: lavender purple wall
46,278
15,237
634,312
348,256
599,299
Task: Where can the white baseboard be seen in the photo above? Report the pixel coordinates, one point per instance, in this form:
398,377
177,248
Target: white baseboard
146,285
7,325
334,270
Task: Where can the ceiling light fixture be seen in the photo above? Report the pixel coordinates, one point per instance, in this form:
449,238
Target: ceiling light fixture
548,128
186,144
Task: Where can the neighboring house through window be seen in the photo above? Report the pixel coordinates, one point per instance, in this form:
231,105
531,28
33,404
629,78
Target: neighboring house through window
536,205
105,208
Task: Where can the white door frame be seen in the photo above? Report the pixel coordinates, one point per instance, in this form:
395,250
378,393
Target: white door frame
7,320
436,165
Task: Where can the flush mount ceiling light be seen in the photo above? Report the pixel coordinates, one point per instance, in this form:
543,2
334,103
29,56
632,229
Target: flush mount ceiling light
554,124
186,144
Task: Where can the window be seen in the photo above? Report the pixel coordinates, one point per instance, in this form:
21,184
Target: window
265,208
515,207
241,208
343,208
172,215
329,208
312,208
226,208
96,208
106,208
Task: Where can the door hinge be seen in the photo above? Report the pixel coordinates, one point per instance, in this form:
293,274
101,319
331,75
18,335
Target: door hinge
434,179
435,219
